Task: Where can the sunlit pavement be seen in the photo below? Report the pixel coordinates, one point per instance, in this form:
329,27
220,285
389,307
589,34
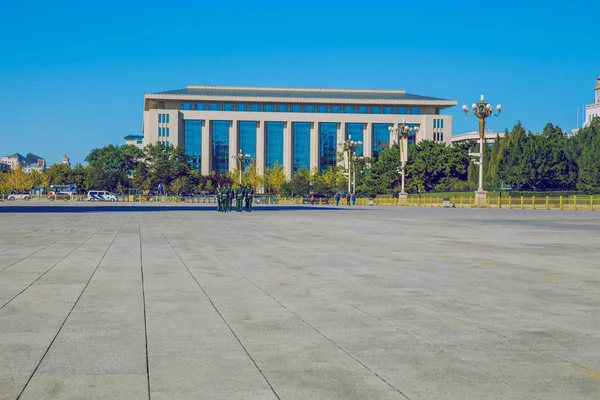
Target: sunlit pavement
169,302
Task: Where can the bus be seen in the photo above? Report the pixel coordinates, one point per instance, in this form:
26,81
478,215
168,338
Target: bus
71,189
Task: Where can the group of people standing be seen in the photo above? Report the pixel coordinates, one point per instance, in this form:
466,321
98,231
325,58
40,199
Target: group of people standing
350,198
226,194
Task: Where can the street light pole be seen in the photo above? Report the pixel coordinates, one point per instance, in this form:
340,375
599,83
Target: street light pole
481,110
240,157
355,159
349,147
403,130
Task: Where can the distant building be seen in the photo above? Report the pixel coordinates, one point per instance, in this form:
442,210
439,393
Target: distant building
4,167
29,163
65,160
593,110
474,135
135,140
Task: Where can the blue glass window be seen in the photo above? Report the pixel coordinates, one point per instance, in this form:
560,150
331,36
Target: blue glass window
167,116
415,110
192,131
274,143
322,109
200,106
327,145
361,110
435,123
442,123
241,107
254,107
214,107
309,109
401,110
139,142
354,131
186,106
349,109
336,109
301,149
248,139
220,146
159,132
282,108
160,118
268,108
442,136
412,135
295,108
381,138
167,131
375,110
388,110
227,107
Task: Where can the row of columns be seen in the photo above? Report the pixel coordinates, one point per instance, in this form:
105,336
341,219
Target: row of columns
288,144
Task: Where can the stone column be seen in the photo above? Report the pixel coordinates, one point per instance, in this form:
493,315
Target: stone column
206,147
260,147
288,161
368,140
314,146
234,144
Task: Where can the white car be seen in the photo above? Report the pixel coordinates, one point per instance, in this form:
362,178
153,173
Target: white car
101,195
18,196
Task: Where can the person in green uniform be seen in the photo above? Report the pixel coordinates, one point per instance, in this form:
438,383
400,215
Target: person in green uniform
249,197
231,197
219,198
239,196
226,197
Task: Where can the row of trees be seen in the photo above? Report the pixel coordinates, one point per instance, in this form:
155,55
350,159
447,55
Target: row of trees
550,160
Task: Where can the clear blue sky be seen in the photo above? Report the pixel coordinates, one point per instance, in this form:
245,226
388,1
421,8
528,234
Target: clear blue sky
73,73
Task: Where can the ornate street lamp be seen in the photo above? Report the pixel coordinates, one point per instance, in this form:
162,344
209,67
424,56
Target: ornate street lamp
349,147
403,130
355,159
481,110
240,157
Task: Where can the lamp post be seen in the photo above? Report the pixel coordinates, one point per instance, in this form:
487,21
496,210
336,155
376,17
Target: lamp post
349,147
481,110
240,157
355,159
403,130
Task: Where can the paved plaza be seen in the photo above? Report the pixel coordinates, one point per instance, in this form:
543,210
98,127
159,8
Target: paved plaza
166,302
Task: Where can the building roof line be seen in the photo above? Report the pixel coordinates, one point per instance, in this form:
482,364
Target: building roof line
287,89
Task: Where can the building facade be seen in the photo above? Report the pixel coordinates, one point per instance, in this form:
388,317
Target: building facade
593,110
135,140
474,135
296,128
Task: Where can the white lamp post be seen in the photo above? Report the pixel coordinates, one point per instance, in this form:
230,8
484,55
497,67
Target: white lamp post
349,147
240,157
403,130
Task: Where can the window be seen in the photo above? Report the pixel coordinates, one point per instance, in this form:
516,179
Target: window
241,107
354,131
401,110
268,108
388,110
348,109
214,107
381,138
375,110
361,109
412,135
227,107
254,107
273,143
192,132
327,145
220,145
167,130
301,149
442,136
309,109
442,123
139,142
336,109
160,118
435,123
415,110
159,132
186,106
200,106
282,108
322,109
295,108
247,131
167,115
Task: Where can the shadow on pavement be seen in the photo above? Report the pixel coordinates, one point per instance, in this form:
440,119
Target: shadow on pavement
147,208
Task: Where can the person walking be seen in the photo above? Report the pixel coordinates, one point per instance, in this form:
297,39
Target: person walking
239,196
219,194
227,198
312,199
249,198
353,198
347,199
337,199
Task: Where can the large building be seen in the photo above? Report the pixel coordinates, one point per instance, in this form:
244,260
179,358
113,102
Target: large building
135,140
28,163
297,128
490,136
593,110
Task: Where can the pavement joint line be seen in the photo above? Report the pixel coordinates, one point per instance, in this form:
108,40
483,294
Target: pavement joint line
216,308
586,371
305,322
58,262
37,251
144,302
71,310
24,235
552,277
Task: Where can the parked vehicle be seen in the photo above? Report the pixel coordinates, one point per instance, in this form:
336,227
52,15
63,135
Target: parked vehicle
59,196
101,195
18,196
